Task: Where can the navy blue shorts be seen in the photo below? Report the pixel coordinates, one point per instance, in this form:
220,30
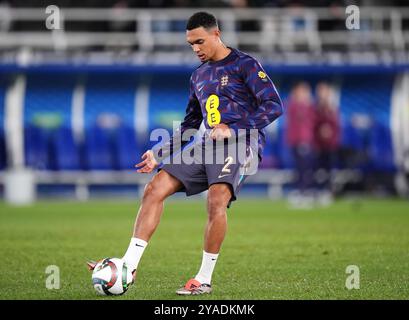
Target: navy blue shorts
198,176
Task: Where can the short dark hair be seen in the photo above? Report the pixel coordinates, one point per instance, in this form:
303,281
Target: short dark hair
201,19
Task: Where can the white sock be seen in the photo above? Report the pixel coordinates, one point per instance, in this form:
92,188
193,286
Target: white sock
206,269
134,252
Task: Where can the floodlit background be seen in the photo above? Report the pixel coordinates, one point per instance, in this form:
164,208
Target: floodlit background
83,84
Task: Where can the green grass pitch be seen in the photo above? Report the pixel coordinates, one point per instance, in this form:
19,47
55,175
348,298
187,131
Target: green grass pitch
270,251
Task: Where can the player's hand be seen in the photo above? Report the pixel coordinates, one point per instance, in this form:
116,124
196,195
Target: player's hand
148,164
220,131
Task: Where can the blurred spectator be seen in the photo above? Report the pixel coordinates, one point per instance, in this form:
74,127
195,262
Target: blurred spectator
117,24
300,137
296,16
327,139
336,18
5,19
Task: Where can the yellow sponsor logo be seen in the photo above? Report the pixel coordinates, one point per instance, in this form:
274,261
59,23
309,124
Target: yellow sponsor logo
262,74
213,114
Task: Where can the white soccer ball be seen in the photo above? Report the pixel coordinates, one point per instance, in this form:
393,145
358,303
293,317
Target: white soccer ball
111,276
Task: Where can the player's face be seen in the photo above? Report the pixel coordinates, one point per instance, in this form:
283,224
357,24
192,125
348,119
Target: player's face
203,42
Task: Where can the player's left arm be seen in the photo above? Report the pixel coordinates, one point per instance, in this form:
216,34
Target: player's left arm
269,104
192,120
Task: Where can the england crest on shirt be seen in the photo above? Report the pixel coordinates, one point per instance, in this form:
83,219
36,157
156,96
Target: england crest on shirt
224,80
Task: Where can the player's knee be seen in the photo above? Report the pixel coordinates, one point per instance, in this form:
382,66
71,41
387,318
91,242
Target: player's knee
217,202
148,191
216,208
153,192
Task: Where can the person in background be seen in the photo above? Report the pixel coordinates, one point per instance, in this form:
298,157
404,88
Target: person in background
300,138
326,140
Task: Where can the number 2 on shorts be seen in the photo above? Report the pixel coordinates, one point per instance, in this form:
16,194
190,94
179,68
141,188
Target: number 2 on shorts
228,161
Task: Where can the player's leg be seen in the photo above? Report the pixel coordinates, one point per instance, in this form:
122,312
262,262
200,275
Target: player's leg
219,196
156,191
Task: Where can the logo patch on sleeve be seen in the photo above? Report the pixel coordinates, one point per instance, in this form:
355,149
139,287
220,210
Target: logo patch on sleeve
262,75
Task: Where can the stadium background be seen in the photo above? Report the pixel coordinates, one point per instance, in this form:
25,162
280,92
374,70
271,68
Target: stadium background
77,105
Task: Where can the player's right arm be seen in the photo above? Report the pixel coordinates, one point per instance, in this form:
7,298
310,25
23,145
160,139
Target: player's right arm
148,163
193,119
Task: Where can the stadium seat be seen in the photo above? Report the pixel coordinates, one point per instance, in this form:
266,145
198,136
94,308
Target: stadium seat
128,151
48,99
271,151
109,106
285,155
66,151
355,136
112,95
3,157
99,149
355,143
36,146
167,101
380,150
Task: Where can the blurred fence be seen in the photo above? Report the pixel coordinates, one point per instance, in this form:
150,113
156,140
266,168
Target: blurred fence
383,33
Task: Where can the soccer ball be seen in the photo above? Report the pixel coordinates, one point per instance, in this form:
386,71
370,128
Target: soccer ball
111,276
